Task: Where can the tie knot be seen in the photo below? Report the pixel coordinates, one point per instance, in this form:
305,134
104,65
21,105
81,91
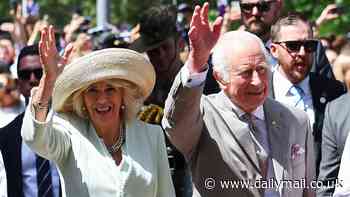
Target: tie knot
297,90
247,117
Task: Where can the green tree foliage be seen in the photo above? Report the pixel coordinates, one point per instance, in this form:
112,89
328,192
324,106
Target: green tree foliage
4,10
313,8
129,10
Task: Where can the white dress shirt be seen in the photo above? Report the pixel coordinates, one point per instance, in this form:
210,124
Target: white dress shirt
29,172
281,87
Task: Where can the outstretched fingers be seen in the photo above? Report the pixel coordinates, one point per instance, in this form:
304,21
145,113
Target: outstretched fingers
196,17
43,46
52,39
204,14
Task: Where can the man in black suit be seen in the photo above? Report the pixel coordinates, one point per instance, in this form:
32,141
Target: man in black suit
336,128
20,162
292,82
259,16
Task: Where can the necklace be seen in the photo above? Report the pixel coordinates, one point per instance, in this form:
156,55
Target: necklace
118,144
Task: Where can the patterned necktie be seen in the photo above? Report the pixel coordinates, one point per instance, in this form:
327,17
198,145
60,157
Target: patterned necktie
298,95
44,177
261,145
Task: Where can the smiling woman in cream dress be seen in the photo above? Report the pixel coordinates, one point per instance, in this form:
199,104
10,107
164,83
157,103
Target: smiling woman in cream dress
83,117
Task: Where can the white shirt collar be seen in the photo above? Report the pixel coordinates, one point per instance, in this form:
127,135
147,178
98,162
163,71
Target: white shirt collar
285,85
258,112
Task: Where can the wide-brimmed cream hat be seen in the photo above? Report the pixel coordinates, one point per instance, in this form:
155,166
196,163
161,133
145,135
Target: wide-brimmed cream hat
113,63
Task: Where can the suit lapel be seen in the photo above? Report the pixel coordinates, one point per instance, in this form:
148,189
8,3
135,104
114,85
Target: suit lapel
13,156
238,129
278,135
271,89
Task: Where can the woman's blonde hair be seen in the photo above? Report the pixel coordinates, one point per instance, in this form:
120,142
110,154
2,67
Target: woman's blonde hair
131,99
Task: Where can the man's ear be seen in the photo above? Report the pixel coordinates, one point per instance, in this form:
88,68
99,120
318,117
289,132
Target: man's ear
217,76
273,50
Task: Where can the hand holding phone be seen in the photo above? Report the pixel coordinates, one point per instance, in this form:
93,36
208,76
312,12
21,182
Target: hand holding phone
339,9
332,11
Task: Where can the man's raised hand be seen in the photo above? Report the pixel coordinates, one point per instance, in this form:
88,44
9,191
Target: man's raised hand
203,38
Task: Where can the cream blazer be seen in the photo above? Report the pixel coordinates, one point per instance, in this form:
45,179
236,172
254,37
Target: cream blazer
86,167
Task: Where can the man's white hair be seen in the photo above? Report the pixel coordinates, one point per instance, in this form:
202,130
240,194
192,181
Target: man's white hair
228,41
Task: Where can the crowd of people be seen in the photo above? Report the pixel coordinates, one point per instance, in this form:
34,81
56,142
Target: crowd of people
176,106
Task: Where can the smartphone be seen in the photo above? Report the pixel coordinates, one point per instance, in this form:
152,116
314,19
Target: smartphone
340,9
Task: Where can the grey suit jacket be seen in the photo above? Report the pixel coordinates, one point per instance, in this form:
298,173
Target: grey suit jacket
219,146
336,128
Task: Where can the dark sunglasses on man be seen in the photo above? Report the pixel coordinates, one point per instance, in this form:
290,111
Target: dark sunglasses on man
25,74
262,6
295,45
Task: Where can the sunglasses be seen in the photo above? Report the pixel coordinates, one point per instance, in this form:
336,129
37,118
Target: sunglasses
262,6
25,74
294,46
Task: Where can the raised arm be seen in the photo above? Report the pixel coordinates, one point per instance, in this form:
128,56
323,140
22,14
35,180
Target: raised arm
53,65
182,116
46,138
202,38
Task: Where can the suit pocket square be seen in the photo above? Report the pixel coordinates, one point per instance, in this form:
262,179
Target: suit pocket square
296,151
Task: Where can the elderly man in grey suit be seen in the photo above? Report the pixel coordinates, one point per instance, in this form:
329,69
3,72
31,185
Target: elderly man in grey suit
238,140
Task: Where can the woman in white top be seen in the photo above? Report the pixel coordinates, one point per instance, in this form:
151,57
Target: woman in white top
90,129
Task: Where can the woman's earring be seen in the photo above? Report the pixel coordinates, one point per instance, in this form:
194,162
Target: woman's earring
122,107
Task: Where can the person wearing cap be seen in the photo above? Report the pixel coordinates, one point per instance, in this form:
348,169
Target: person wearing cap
83,117
160,40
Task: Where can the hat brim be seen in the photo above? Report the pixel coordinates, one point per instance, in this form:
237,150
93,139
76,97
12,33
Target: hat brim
114,63
141,46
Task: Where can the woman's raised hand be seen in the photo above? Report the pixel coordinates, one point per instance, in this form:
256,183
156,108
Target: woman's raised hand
50,58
